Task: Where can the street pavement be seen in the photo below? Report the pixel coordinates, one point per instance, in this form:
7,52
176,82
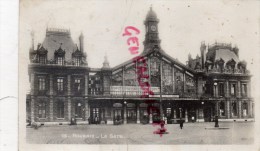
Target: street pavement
192,133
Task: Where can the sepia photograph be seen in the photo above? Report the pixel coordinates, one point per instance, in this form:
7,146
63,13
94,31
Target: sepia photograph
142,72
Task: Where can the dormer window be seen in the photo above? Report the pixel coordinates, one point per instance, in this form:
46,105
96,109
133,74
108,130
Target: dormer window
42,54
77,61
42,59
59,56
231,64
60,60
77,57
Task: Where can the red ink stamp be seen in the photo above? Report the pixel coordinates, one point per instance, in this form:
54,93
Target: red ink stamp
142,76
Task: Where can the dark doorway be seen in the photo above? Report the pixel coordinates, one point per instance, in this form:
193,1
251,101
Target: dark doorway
207,114
95,115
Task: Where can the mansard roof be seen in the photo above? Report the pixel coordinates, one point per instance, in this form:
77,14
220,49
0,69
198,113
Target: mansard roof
53,39
222,50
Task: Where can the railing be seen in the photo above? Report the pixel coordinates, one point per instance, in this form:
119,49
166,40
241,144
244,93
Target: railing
229,71
131,90
66,63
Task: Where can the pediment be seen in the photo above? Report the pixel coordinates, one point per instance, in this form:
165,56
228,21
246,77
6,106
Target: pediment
161,55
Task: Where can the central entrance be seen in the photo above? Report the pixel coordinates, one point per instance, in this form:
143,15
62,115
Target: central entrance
131,113
144,117
95,115
118,113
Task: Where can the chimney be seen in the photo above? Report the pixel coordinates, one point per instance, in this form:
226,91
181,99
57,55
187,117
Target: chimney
32,35
202,51
81,42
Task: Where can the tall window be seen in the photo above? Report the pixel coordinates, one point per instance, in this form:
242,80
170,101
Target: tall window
221,89
233,89
168,112
41,83
222,109
60,84
60,60
244,90
42,59
60,109
155,72
245,109
77,85
42,110
167,79
77,61
234,109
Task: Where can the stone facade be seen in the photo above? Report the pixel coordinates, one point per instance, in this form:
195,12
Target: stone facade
64,87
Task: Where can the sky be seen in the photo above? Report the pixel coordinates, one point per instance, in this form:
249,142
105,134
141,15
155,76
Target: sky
183,26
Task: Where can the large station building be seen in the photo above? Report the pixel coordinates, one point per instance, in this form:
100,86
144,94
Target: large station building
64,86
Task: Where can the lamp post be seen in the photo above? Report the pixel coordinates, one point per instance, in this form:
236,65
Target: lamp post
215,89
216,117
125,116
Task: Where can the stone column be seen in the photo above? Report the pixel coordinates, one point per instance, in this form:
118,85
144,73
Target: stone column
51,109
249,89
238,89
86,85
51,98
125,116
86,111
69,98
227,89
123,81
239,109
174,113
138,114
32,98
228,109
32,108
250,109
186,115
184,82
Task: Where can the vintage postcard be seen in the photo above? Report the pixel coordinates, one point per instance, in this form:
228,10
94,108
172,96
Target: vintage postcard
138,75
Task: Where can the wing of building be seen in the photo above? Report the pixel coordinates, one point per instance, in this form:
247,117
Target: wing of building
63,86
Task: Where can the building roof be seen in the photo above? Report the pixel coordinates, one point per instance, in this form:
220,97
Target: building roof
222,51
151,15
56,38
226,55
